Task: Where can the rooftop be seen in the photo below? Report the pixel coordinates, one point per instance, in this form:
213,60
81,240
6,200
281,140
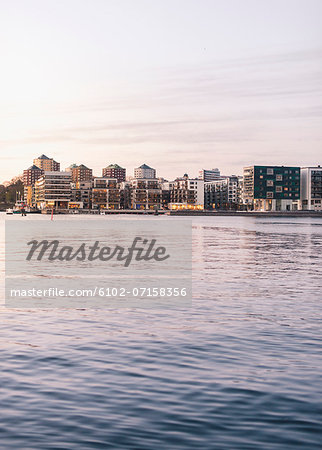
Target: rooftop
145,166
114,166
33,167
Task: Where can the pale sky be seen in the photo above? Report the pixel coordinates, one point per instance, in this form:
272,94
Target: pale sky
178,84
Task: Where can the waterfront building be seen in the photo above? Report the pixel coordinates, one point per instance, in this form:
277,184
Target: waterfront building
81,173
47,164
311,188
30,176
187,193
209,175
145,193
166,187
114,171
81,195
222,193
106,193
53,190
144,171
271,188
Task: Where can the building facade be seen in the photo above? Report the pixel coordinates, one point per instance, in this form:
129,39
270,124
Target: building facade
114,171
30,176
47,164
311,188
106,193
222,194
209,175
271,188
53,191
186,193
81,173
144,171
145,193
81,195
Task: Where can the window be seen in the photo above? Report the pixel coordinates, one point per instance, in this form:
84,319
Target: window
270,171
270,183
279,189
269,194
279,177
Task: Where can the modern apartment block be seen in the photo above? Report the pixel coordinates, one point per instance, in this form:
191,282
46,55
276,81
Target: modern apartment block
144,171
47,164
311,188
81,195
114,171
145,193
106,193
223,193
271,188
81,173
53,190
209,175
30,176
187,193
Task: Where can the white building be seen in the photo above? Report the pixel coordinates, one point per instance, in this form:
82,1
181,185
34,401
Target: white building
209,175
187,193
53,190
144,171
311,188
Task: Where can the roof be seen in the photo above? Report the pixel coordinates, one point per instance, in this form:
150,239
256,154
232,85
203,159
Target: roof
33,167
144,166
43,157
114,166
81,166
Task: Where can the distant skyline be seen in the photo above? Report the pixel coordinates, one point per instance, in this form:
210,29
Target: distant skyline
178,85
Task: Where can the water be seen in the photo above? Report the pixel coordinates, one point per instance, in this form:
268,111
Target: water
240,369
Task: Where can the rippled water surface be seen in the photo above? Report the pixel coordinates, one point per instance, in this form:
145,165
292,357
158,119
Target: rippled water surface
239,369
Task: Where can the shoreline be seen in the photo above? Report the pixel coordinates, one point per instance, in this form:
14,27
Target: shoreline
293,214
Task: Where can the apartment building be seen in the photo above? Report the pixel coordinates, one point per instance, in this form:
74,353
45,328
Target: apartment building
81,173
81,195
145,193
144,171
271,188
30,176
222,193
311,188
53,191
47,164
106,193
209,174
114,171
186,193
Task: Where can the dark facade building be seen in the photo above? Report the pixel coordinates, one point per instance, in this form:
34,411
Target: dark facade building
31,175
271,188
81,173
114,171
222,194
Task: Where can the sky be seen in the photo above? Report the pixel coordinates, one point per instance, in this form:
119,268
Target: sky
180,85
